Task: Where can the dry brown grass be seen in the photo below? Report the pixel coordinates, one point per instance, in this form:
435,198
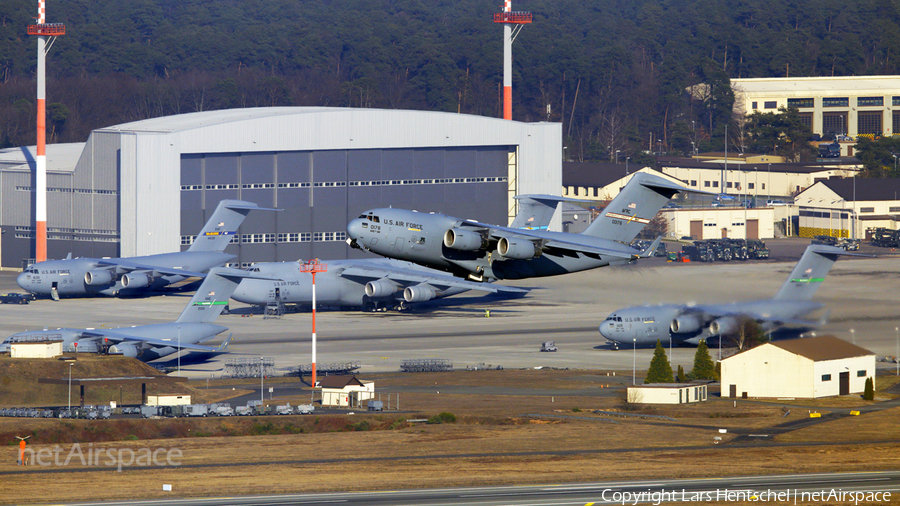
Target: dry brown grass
490,444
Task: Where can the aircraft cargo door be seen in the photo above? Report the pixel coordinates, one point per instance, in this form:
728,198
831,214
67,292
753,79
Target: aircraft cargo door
697,230
752,229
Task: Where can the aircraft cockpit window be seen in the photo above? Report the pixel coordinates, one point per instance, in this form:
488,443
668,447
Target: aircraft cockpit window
253,269
618,318
375,219
362,216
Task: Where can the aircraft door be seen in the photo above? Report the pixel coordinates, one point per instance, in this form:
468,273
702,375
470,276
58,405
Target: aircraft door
54,290
277,294
398,244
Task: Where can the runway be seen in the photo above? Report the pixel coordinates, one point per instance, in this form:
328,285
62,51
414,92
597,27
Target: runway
793,489
861,295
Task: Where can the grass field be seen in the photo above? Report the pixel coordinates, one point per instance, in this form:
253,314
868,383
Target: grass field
491,442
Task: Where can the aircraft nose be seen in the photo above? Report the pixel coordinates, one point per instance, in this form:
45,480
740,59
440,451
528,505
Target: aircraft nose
606,329
23,281
355,228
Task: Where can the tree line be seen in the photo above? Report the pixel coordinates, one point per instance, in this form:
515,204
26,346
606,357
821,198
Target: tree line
616,74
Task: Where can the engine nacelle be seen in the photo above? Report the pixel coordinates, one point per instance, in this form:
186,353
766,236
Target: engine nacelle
686,324
465,240
136,280
129,350
418,293
518,249
102,277
724,326
381,288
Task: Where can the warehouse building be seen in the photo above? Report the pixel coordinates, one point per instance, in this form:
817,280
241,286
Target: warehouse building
799,368
849,207
147,187
842,107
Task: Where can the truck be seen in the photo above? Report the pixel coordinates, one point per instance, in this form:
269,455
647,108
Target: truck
284,409
305,409
243,411
376,406
195,410
832,150
549,346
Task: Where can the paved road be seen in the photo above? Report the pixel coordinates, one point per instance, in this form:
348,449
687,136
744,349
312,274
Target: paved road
785,489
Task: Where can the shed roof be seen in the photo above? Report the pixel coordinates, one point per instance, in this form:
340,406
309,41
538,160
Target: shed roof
822,348
866,188
340,382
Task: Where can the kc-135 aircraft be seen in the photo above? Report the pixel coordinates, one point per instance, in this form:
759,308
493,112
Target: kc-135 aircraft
376,283
91,277
149,342
689,324
481,251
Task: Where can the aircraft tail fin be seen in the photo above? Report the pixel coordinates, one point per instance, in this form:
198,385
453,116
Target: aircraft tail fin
213,294
810,272
633,207
536,211
223,225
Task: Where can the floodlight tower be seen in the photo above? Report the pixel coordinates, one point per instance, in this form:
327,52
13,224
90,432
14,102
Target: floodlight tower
509,18
43,30
313,267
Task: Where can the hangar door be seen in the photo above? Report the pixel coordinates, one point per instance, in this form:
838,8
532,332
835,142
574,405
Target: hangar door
752,229
321,191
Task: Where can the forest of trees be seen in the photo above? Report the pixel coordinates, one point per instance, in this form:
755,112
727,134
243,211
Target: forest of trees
614,73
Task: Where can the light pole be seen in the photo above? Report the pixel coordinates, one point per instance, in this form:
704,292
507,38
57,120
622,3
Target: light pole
261,397
617,157
626,164
634,362
852,336
895,162
179,351
693,151
897,356
70,386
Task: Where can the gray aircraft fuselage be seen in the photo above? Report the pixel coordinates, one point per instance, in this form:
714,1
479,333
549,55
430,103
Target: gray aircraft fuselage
644,325
332,289
69,278
184,333
419,237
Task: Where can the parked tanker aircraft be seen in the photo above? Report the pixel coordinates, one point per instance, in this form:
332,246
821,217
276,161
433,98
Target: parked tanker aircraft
377,283
149,342
689,324
91,277
481,251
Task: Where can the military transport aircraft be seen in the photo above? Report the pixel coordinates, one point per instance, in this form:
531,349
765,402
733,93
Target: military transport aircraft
149,342
93,277
377,283
688,324
480,251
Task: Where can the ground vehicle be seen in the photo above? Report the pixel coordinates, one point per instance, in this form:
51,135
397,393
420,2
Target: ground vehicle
305,409
376,406
757,249
772,203
549,346
284,409
832,150
16,298
195,410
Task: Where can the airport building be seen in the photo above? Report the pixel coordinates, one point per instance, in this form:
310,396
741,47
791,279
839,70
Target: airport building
849,207
850,106
806,368
147,187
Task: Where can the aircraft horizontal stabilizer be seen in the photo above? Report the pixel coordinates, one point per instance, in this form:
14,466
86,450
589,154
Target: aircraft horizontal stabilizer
649,250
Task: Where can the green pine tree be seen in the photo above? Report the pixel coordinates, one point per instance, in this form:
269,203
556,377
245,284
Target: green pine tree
869,392
681,377
703,364
660,370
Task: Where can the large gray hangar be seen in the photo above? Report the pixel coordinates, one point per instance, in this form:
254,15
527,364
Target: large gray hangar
147,187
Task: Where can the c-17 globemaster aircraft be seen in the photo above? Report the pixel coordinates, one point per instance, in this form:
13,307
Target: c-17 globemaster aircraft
91,277
689,324
149,342
376,283
480,251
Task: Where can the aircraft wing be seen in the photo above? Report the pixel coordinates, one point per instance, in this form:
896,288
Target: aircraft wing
497,232
122,265
407,276
117,337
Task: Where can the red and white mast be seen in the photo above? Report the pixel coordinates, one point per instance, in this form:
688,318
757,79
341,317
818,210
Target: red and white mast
43,30
509,18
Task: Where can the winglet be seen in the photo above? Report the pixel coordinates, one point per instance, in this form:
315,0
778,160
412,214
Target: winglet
649,250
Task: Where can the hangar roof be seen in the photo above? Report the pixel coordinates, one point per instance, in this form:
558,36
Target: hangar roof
60,157
194,120
867,189
822,348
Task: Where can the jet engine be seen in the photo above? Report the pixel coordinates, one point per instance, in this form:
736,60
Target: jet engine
129,350
381,288
418,293
518,249
102,277
686,324
465,240
136,280
724,326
